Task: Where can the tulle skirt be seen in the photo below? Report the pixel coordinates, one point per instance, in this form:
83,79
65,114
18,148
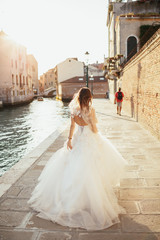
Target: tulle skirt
75,188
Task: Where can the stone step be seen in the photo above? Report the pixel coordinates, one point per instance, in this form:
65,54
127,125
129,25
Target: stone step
140,223
140,182
133,182
143,235
147,206
149,173
138,193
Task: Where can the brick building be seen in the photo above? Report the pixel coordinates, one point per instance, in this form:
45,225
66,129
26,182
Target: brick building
124,22
141,85
97,84
70,78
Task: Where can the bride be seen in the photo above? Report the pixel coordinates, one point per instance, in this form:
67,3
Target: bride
75,188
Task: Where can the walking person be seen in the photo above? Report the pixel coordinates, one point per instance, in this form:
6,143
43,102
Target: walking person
119,99
75,188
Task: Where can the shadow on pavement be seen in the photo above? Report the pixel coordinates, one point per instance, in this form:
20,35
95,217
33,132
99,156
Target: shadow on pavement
122,117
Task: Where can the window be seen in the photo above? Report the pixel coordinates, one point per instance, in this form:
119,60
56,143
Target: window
16,63
131,47
26,80
101,78
23,80
17,80
17,93
80,79
12,78
20,80
13,93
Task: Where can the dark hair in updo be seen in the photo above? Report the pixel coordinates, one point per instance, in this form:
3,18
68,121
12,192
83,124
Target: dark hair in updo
84,97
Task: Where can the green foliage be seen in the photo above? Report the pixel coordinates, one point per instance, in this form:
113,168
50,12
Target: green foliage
146,32
110,7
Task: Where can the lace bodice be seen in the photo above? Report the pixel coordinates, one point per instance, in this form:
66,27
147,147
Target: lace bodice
85,117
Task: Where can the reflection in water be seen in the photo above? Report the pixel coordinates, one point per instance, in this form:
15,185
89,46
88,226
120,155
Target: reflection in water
23,128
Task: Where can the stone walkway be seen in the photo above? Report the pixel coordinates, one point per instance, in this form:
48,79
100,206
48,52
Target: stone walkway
139,191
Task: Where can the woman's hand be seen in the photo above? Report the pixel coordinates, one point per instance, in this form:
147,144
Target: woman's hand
69,145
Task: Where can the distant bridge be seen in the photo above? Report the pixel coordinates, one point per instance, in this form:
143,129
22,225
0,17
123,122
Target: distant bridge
49,92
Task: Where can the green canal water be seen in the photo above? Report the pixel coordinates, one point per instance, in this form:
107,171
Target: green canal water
22,128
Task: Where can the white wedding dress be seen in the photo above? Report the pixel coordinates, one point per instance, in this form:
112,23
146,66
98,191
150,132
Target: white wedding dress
75,188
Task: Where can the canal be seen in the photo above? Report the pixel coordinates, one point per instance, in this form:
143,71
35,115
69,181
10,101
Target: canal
22,128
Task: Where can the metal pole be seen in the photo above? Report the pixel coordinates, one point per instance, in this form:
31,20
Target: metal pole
87,76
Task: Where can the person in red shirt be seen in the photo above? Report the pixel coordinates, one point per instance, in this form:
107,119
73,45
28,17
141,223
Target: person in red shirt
119,99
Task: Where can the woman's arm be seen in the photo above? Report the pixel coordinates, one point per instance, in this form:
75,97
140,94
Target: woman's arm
94,121
72,127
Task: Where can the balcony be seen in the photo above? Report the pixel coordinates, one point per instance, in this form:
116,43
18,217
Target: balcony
112,67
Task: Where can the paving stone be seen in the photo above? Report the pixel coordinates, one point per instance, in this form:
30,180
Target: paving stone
132,168
140,223
36,222
153,181
149,173
32,173
154,166
153,149
115,236
42,163
139,156
45,157
142,162
114,228
130,175
14,204
26,192
3,188
16,235
13,191
26,181
133,182
130,207
150,206
139,193
11,218
55,236
38,167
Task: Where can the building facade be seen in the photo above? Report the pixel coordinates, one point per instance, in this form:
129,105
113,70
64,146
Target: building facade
15,86
66,70
41,84
124,22
32,69
47,82
70,78
141,85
